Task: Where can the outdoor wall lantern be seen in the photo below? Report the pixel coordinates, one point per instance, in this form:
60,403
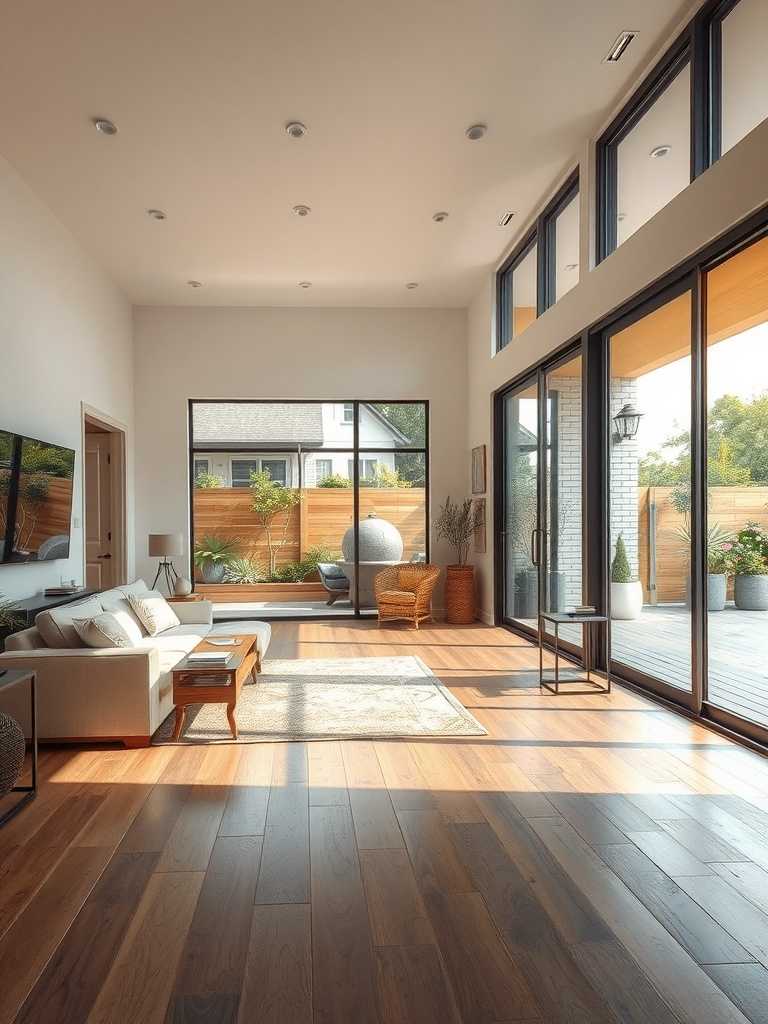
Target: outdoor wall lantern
627,423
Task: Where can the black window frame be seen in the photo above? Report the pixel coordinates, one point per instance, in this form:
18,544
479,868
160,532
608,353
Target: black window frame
542,235
699,45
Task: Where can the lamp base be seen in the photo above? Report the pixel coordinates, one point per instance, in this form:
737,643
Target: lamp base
169,574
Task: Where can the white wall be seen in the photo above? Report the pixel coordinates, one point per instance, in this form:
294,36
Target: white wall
728,192
281,353
65,338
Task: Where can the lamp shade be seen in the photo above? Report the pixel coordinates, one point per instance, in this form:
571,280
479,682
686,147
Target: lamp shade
165,545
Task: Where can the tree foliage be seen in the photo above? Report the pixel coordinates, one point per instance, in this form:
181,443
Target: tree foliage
269,499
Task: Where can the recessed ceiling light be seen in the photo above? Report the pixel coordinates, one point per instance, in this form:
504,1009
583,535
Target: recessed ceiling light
296,129
156,214
411,285
658,151
301,210
305,284
616,52
105,126
571,266
505,218
440,216
476,131
195,284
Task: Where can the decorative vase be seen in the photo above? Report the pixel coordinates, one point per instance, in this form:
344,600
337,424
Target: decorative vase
717,588
182,587
626,600
751,593
460,594
12,749
213,572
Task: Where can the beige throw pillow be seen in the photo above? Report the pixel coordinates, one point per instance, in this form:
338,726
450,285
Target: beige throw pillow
117,604
102,631
55,625
153,611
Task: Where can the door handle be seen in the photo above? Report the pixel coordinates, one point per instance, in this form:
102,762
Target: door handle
104,556
534,547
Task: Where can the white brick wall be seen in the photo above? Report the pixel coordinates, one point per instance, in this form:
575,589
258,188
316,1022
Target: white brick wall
625,462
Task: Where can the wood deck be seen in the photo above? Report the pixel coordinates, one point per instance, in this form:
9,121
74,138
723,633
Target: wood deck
594,859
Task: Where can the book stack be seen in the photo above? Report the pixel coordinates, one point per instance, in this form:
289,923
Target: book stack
208,659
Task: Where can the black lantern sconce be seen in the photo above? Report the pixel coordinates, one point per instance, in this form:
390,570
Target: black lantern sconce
627,423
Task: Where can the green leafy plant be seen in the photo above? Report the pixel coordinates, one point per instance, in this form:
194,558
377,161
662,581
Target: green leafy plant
334,480
456,523
269,499
9,619
620,570
384,477
746,561
754,537
208,481
719,561
215,549
244,569
297,572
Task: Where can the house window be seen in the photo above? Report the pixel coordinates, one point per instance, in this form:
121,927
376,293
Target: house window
741,39
562,245
241,471
202,466
323,468
367,468
349,412
277,469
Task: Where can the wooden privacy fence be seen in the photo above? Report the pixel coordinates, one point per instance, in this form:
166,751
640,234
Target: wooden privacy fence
730,507
321,518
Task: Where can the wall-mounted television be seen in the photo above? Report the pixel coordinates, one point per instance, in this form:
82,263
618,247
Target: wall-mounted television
36,482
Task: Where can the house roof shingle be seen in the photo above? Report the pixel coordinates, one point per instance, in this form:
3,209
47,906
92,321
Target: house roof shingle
273,423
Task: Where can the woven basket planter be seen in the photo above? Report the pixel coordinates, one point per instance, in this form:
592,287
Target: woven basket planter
460,603
12,749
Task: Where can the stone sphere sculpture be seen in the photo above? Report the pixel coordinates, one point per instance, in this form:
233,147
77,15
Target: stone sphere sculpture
380,541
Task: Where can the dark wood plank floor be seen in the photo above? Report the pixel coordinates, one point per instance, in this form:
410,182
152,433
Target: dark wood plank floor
592,859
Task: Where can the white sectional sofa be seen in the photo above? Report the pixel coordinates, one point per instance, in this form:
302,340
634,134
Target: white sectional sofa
116,694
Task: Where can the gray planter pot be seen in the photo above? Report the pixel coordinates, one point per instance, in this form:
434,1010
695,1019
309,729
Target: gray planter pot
213,572
751,593
717,587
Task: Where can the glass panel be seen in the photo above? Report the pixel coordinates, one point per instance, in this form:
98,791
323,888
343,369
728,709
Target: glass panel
650,493
241,471
563,489
327,531
567,248
744,70
653,162
737,473
393,425
6,468
524,278
393,516
521,576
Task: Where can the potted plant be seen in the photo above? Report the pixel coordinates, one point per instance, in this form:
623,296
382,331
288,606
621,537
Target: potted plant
10,620
626,589
750,569
212,556
457,524
718,569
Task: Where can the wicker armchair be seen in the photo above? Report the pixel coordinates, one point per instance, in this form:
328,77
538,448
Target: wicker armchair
405,592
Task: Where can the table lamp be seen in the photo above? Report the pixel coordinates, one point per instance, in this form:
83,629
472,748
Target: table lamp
166,546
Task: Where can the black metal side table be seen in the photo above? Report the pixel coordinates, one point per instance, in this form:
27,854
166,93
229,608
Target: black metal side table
12,677
587,622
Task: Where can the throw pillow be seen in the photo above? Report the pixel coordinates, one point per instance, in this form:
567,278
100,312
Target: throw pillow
102,631
154,612
55,624
117,604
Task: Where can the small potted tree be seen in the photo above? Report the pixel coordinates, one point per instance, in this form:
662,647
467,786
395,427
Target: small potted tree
749,562
212,556
718,569
457,524
626,589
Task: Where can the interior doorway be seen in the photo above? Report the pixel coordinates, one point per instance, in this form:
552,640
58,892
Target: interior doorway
104,517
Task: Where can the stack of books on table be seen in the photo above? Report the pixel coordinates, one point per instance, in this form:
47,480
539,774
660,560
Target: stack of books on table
208,659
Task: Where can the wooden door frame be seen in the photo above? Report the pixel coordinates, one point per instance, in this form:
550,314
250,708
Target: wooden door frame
118,488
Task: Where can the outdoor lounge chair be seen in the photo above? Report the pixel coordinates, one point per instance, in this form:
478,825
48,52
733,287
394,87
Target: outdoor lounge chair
333,580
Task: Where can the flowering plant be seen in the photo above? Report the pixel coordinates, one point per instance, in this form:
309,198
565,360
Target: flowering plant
754,537
746,561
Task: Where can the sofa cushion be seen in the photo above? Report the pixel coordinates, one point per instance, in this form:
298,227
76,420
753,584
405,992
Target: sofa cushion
398,597
153,611
199,629
55,624
102,631
117,604
245,627
137,587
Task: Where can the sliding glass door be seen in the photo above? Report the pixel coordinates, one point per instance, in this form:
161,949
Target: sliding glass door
539,546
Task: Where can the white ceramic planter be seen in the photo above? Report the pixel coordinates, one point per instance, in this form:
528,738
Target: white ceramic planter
626,600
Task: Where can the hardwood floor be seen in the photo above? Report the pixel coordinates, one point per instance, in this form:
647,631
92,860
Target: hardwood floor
592,859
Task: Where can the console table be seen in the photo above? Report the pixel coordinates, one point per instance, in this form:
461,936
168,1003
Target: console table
587,622
32,606
12,677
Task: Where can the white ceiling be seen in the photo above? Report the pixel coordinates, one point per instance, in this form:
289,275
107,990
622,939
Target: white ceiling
200,92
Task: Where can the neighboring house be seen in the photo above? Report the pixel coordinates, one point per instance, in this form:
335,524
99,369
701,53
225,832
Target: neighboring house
293,442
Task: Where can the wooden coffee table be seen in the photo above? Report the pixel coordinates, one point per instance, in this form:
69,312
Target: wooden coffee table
214,685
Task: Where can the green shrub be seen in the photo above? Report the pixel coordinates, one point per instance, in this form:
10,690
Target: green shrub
746,561
334,480
620,571
754,537
215,549
244,570
208,481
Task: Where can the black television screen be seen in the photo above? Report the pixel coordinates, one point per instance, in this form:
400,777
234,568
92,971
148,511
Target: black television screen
36,482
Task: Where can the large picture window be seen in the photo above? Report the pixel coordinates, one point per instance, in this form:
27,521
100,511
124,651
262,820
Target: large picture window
302,503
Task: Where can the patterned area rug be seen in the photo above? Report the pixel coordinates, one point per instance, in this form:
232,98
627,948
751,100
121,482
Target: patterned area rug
330,698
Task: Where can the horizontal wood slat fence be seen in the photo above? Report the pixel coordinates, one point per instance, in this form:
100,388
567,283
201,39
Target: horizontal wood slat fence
730,507
322,518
